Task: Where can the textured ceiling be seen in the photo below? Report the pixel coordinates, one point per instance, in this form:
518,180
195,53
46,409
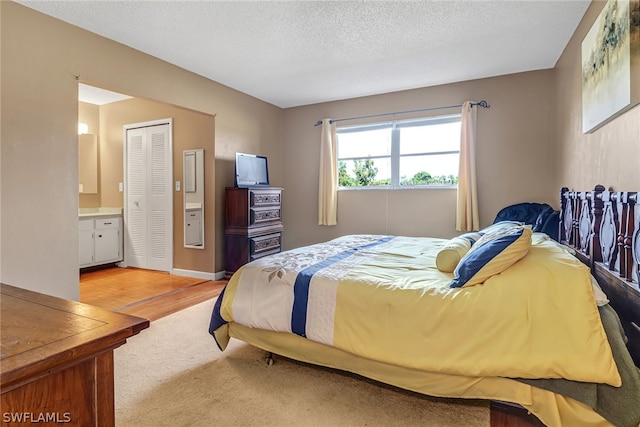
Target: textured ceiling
292,53
97,96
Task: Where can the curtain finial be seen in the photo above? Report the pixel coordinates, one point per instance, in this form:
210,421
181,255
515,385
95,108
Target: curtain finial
483,104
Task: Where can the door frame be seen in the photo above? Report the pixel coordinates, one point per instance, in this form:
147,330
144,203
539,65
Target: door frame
125,216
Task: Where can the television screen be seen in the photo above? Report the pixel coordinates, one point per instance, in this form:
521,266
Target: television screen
251,170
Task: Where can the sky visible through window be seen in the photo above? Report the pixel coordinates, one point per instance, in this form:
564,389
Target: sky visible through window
415,141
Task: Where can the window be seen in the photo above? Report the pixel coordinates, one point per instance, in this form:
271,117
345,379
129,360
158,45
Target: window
399,154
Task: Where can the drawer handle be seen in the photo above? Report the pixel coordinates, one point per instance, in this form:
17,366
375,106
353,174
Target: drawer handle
107,223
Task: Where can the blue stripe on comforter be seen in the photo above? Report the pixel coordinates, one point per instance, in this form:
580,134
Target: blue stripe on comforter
300,291
303,281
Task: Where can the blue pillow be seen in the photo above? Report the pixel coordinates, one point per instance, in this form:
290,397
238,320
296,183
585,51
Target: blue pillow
493,253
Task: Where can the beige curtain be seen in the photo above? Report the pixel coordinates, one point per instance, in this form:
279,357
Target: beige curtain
467,218
328,182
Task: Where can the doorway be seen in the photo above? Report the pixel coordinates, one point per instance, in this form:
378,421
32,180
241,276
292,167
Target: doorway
189,130
148,198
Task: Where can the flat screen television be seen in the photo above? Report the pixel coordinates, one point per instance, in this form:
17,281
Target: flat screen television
251,170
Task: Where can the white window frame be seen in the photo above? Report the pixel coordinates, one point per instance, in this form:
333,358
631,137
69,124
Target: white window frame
395,149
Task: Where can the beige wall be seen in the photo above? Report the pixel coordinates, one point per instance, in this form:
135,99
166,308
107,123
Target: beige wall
608,156
515,160
190,130
41,58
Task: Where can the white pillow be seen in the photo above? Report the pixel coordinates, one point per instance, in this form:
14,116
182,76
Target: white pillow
452,252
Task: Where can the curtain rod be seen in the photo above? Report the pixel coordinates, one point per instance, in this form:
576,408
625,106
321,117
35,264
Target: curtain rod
483,104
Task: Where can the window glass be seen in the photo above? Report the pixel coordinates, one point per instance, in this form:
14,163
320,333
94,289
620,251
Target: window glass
431,138
429,169
364,172
422,152
367,143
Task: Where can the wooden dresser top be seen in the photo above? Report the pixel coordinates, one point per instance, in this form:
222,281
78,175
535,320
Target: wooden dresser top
40,333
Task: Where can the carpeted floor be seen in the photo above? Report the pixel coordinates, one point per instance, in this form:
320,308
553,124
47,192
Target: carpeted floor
173,374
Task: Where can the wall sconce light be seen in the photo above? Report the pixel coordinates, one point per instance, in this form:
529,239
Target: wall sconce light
83,128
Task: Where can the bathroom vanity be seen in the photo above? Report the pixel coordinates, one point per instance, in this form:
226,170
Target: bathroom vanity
99,236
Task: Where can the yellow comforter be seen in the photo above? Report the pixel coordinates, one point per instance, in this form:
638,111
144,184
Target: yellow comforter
382,298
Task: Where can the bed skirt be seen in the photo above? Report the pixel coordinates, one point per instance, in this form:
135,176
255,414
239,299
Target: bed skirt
551,408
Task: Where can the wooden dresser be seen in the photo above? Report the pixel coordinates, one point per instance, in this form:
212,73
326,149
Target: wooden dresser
57,359
253,225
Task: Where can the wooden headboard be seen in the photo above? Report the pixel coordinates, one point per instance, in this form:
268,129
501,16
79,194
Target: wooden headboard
603,227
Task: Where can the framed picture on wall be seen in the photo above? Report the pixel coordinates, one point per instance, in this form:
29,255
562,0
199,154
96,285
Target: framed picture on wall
611,64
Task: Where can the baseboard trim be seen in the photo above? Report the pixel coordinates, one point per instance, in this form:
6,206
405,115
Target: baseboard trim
199,274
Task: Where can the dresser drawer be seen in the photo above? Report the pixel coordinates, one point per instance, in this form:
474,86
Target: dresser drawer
105,223
264,215
258,198
269,243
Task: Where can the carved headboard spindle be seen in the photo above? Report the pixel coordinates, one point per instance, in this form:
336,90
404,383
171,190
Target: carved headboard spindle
622,232
596,222
609,234
628,249
584,222
564,225
575,219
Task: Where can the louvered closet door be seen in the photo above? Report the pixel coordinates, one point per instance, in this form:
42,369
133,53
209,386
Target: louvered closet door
149,198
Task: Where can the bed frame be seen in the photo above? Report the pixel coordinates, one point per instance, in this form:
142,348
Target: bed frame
603,227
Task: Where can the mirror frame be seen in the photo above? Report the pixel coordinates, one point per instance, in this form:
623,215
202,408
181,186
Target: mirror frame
88,163
193,195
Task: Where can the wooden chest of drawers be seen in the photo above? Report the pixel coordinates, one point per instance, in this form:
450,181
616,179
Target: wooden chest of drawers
253,225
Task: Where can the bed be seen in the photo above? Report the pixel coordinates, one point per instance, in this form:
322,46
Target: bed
472,317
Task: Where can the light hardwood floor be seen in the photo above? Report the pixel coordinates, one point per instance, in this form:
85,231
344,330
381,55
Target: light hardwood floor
144,293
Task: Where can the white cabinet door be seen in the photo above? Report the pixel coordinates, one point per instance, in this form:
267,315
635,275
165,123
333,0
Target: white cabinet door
193,228
107,240
106,245
85,243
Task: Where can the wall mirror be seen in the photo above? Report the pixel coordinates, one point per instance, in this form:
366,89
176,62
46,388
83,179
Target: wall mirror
88,163
193,189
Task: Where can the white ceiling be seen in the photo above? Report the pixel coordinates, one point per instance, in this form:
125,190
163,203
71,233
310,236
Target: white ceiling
95,95
292,53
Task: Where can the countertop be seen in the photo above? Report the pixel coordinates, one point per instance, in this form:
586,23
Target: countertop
98,212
